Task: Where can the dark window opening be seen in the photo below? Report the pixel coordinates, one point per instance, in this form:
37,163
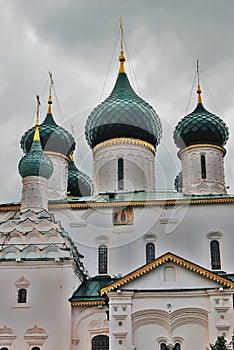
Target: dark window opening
22,295
100,342
150,252
164,347
102,259
203,166
4,348
120,174
35,348
215,255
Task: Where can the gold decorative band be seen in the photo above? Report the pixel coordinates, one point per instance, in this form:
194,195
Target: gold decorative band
58,154
201,145
88,303
124,140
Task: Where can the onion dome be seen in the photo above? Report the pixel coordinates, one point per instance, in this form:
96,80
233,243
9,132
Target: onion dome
200,127
53,137
123,114
79,184
35,162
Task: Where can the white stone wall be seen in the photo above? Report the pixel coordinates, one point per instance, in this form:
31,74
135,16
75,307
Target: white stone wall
138,168
193,183
57,188
49,285
183,230
34,192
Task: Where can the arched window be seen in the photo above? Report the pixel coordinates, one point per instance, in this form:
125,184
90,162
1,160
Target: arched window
177,347
150,252
22,295
203,166
215,255
4,348
102,259
120,174
100,342
35,348
163,346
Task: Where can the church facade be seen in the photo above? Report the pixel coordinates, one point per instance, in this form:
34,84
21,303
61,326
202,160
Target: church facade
112,263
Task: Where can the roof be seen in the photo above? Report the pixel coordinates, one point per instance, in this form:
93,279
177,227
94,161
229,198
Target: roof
168,257
133,199
200,127
123,115
88,291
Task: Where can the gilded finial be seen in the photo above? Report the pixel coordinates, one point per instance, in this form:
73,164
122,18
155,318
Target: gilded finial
50,94
36,134
199,100
121,56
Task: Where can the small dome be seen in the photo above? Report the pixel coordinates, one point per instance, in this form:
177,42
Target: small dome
54,138
79,184
200,127
123,114
35,162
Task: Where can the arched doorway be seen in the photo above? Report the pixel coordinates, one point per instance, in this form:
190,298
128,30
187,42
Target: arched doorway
100,342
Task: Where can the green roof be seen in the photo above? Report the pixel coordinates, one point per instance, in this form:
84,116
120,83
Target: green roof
35,162
200,127
53,138
89,289
123,114
79,184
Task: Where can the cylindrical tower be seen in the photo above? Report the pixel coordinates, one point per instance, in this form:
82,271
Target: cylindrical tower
58,144
201,136
123,132
35,169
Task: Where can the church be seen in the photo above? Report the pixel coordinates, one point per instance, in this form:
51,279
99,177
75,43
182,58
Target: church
110,262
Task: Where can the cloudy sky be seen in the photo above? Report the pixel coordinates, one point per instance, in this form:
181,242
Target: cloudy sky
75,39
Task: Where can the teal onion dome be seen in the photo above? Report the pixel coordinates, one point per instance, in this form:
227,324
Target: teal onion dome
200,127
53,137
123,114
79,184
35,162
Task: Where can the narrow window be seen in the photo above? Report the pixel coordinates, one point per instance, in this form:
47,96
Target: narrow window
150,252
203,166
22,295
163,346
35,348
215,255
4,348
100,342
120,174
102,259
177,347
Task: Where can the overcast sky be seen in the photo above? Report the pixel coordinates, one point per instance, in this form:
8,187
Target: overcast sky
75,40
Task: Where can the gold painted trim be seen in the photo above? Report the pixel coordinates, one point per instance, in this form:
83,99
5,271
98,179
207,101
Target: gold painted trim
201,145
167,258
88,303
87,205
58,154
124,140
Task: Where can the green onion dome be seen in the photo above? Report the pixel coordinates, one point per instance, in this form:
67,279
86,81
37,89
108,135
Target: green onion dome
200,127
79,184
53,137
123,114
35,162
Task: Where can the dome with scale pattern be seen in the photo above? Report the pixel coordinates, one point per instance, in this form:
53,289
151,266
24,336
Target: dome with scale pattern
53,138
123,114
79,184
200,127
